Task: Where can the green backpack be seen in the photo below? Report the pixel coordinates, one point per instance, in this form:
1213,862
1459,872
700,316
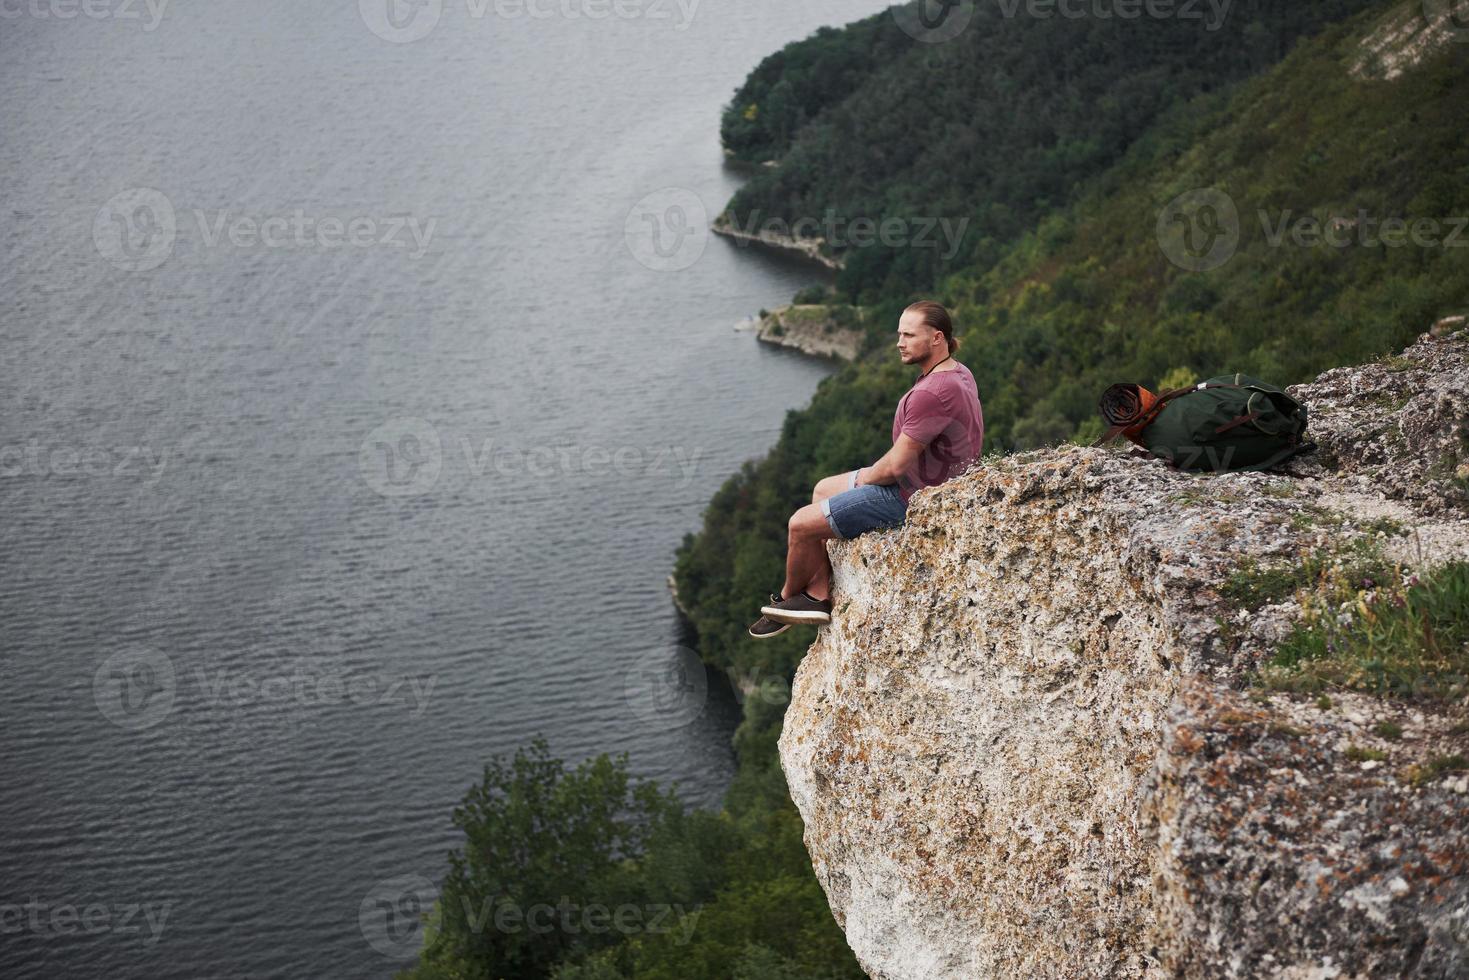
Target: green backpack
1229,423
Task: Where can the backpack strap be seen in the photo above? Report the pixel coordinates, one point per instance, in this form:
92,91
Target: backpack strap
1237,420
1146,418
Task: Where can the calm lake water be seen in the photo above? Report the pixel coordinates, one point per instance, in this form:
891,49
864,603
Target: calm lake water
361,367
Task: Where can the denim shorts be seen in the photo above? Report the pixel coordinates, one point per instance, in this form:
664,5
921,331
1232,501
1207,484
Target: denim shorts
870,507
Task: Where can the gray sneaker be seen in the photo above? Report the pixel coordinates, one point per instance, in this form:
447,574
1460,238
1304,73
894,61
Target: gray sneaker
799,610
765,627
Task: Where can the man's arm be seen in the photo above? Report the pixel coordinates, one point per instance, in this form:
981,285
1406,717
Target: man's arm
895,461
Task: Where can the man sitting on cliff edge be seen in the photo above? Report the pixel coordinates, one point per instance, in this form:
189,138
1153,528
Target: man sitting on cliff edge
938,430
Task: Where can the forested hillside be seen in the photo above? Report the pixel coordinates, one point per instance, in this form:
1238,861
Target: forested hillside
998,126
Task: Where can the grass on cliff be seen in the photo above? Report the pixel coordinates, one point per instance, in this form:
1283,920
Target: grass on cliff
1367,625
1255,584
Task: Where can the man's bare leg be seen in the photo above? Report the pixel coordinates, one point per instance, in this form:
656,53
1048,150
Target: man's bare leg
831,486
808,568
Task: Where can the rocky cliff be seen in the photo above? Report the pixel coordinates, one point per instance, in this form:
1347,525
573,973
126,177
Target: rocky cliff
1037,738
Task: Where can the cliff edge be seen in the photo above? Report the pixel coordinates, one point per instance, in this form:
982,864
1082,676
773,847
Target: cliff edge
1042,735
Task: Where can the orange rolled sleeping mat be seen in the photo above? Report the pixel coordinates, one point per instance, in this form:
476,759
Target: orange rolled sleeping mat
1128,409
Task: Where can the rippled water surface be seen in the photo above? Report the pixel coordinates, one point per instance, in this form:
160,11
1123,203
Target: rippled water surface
354,395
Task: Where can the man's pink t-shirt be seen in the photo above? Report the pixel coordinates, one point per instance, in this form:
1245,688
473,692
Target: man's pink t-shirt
941,411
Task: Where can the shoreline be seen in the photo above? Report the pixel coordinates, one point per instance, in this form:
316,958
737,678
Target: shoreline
673,592
809,248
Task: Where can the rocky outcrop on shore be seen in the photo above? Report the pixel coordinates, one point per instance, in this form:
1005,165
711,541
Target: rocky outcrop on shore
1033,740
819,330
811,248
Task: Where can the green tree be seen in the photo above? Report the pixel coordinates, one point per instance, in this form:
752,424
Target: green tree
541,843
